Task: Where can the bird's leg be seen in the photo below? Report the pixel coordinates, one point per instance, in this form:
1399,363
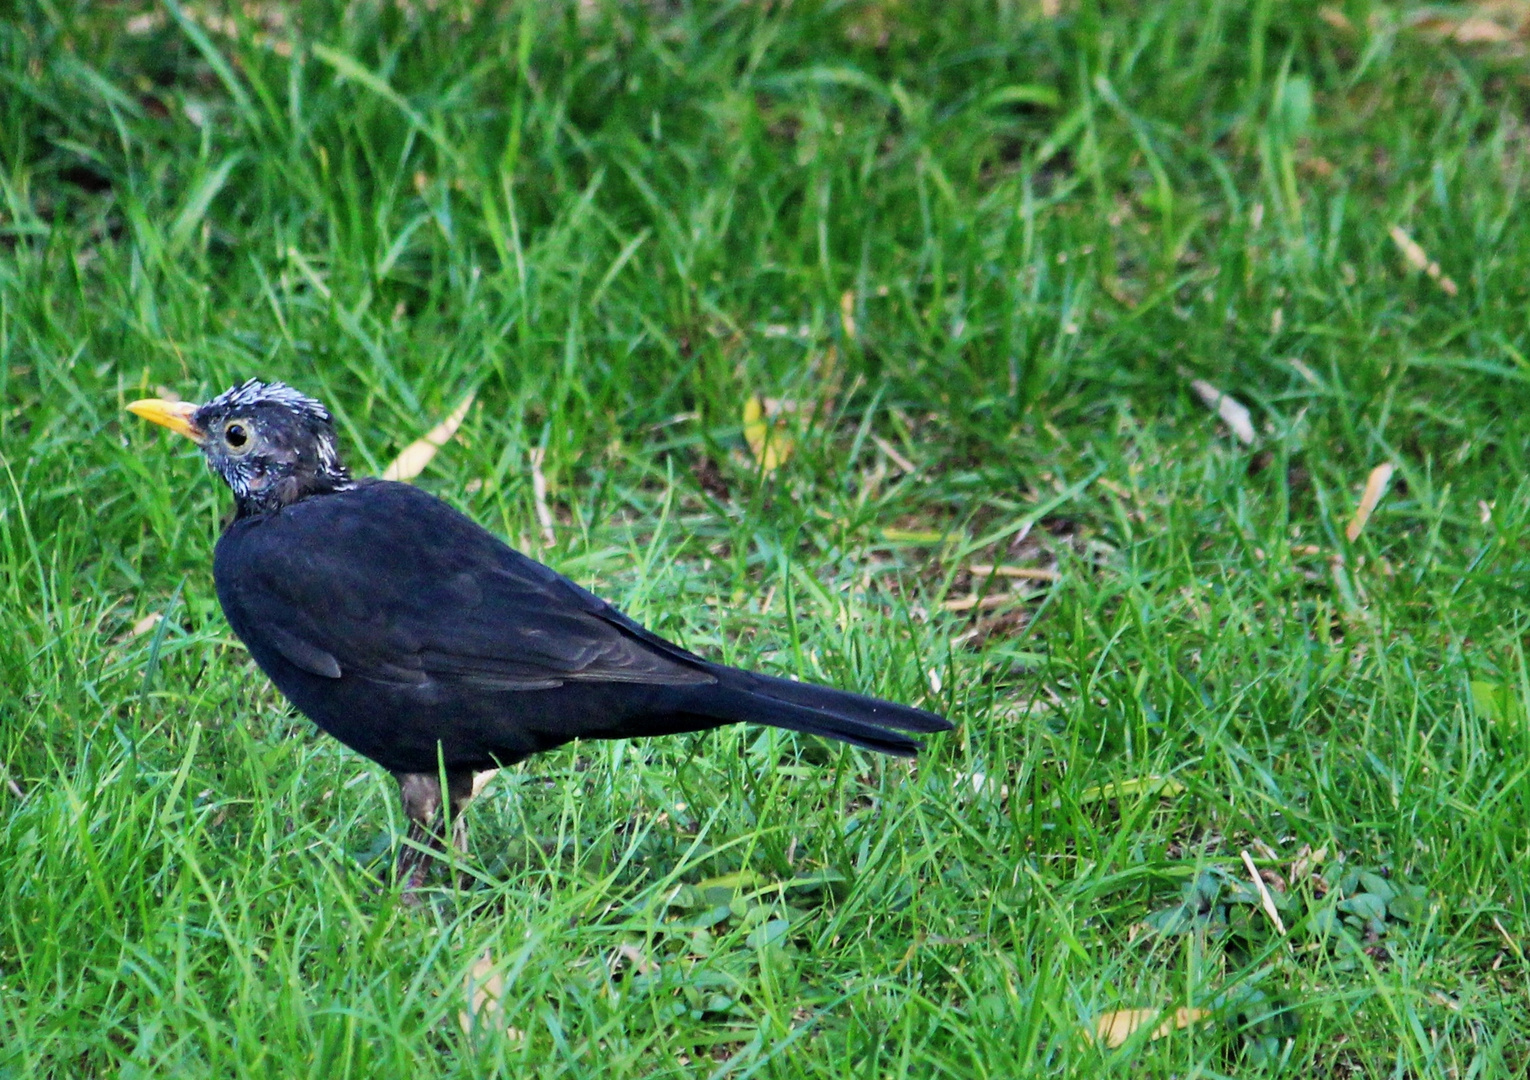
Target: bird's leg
421,796
460,789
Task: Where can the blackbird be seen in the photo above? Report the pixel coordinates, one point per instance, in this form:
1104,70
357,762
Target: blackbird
424,642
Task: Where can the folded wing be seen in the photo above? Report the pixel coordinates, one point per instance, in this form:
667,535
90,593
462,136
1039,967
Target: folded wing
389,584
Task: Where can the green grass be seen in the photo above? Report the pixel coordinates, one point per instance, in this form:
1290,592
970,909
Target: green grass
995,244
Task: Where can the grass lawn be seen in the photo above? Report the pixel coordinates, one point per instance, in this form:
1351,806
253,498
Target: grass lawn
787,322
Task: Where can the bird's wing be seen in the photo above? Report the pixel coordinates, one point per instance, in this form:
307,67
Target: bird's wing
389,583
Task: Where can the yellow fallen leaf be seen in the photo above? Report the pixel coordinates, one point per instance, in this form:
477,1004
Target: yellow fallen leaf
412,461
1375,488
765,432
1114,1028
847,313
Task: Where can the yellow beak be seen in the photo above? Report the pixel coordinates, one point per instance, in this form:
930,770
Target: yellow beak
175,415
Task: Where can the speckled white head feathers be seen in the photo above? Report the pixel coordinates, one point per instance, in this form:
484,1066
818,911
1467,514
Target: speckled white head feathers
253,393
271,444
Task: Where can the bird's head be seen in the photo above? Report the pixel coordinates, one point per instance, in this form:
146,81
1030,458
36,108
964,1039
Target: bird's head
271,445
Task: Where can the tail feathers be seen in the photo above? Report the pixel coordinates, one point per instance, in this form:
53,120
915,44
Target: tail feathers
884,714
835,714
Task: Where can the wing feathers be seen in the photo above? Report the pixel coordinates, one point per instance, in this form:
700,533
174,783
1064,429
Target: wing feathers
387,582
307,656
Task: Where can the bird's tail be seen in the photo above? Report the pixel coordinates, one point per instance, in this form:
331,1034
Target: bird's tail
821,710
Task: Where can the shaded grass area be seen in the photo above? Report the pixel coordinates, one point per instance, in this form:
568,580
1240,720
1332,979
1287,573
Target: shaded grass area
981,249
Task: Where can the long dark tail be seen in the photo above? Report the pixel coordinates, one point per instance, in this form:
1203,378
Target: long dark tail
820,710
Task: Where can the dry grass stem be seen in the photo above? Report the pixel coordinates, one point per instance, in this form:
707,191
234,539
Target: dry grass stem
1266,901
896,458
1029,573
539,495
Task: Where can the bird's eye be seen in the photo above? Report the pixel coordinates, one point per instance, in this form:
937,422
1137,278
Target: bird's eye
236,435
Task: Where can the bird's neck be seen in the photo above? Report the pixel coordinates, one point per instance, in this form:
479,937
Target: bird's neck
266,494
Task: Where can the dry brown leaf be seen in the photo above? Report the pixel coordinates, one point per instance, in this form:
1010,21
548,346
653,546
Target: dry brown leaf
145,23
981,783
1318,166
481,781
1114,1028
632,956
1306,862
145,624
1477,30
484,988
1232,411
1417,258
1336,19
266,17
412,461
485,991
1375,488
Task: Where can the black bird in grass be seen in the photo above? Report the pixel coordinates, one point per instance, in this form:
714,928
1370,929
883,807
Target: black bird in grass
424,642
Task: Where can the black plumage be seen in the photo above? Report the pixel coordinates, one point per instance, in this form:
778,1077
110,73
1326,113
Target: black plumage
421,640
